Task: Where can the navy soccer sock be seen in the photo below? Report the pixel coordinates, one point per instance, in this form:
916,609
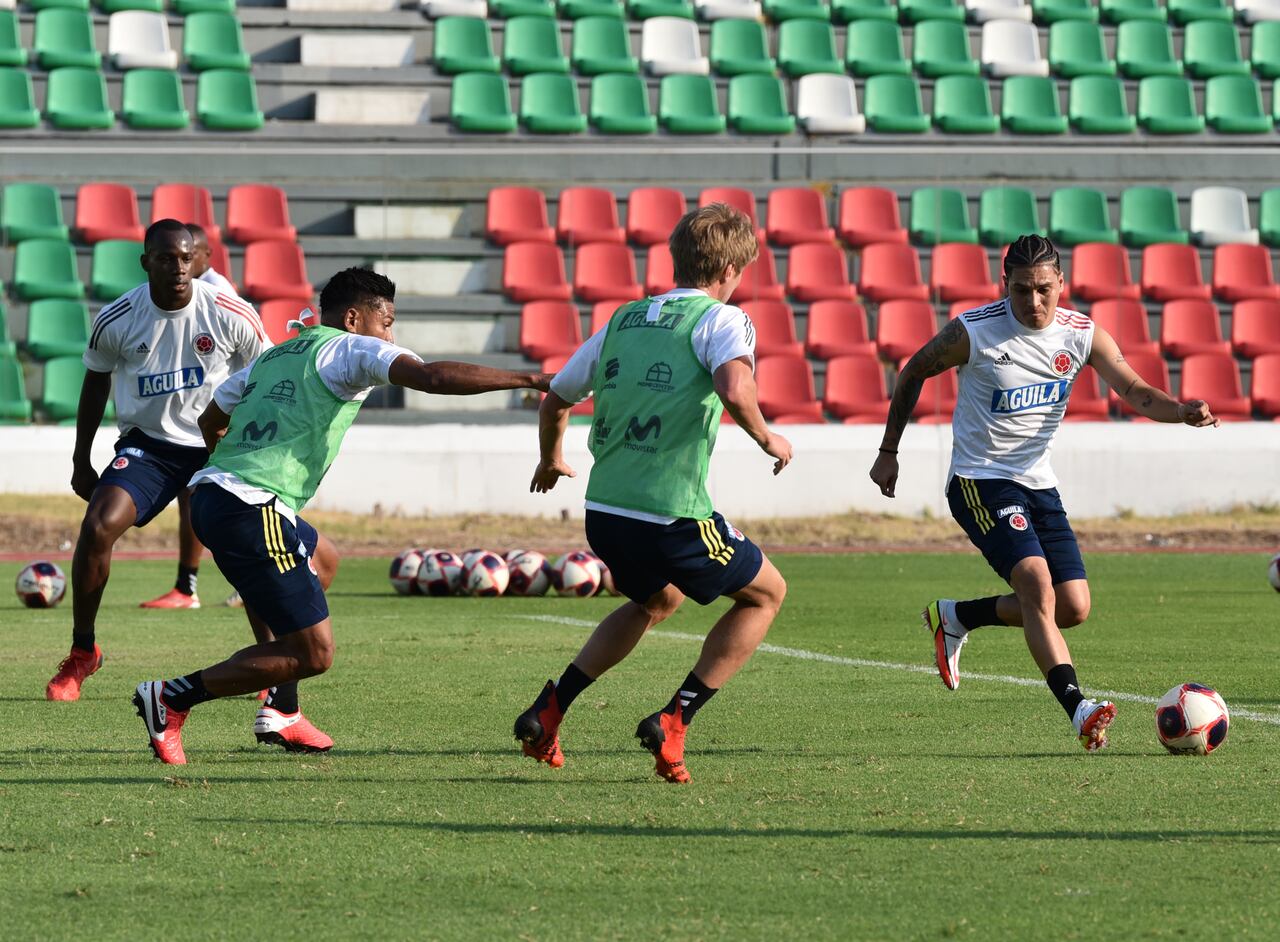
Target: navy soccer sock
978,612
187,576
284,697
691,696
182,693
571,683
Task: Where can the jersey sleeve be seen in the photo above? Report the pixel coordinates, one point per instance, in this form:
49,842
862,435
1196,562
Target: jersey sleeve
575,379
248,334
351,364
103,351
725,334
228,395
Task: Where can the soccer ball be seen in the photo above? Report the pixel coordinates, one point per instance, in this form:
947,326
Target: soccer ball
469,556
1191,718
1273,572
41,585
512,555
606,577
403,570
439,574
576,574
486,575
530,573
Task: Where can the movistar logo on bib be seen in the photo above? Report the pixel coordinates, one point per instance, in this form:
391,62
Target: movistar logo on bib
162,384
1028,397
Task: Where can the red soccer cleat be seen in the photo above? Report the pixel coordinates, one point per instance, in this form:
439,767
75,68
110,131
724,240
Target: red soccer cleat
663,735
173,599
74,670
293,731
538,728
164,726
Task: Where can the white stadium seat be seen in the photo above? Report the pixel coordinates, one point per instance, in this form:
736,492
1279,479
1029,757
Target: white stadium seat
8,4
438,8
137,39
386,50
828,104
1012,47
728,9
982,10
343,6
1220,216
1255,11
672,46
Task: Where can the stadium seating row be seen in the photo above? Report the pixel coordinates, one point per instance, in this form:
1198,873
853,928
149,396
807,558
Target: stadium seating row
63,377
181,7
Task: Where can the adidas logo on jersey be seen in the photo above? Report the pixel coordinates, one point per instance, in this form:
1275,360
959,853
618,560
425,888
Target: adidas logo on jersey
1004,358
142,348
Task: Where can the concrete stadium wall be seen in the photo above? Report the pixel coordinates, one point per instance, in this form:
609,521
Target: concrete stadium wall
443,469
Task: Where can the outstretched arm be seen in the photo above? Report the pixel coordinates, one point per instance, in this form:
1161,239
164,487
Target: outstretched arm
453,378
948,349
736,386
1154,403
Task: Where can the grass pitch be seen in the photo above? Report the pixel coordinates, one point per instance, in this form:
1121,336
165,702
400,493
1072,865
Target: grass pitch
829,800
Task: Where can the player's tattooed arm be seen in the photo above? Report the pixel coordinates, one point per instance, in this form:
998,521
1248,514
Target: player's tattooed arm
1147,400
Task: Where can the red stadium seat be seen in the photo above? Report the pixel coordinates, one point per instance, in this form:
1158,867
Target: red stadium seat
1241,272
1266,384
855,387
549,328
837,328
798,418
652,212
960,270
1255,328
1126,322
1152,368
517,214
738,198
798,214
220,259
601,311
276,316
276,269
1100,270
903,327
1215,378
588,214
185,202
937,399
534,271
775,325
1086,402
869,214
1191,327
760,280
786,388
891,272
604,271
1171,271
659,270
818,271
256,212
108,211
554,365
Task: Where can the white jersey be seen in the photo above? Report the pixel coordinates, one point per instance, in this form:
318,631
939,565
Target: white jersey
1013,393
168,363
218,281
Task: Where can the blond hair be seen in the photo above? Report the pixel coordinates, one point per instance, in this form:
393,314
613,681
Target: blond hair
708,240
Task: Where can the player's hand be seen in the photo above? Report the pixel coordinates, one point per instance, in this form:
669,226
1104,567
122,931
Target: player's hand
542,381
83,479
885,473
547,473
1196,413
775,446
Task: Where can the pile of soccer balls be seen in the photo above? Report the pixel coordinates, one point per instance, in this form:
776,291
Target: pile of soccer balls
482,573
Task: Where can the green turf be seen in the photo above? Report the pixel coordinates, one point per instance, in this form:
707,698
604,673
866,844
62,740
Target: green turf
829,800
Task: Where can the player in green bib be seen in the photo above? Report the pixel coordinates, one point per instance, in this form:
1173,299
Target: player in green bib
661,373
273,430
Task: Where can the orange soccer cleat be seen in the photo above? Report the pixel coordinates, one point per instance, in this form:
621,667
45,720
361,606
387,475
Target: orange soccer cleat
293,731
74,670
173,599
663,735
164,726
1091,721
538,728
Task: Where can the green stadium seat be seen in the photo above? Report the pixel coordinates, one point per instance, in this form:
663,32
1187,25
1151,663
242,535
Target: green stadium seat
874,47
1264,43
505,9
1056,11
740,47
941,47
227,100
647,9
1097,104
7,348
1125,11
758,105
187,7
620,104
577,9
1149,216
1211,47
939,214
76,99
213,41
65,38
1233,105
687,104
807,46
57,328
1144,47
892,104
601,45
849,11
549,103
14,404
17,100
1006,212
917,11
1183,12
116,6
1029,105
46,268
63,377
32,211
1077,47
782,10
59,5
1269,216
152,99
1167,105
117,268
532,44
11,49
1079,214
481,102
962,105
1275,100
463,44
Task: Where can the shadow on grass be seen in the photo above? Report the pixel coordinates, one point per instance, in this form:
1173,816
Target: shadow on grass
1270,836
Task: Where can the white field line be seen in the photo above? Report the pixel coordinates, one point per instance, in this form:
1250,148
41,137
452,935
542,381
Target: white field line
1236,713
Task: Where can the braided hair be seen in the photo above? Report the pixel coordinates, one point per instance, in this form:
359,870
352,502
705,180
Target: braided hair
1030,250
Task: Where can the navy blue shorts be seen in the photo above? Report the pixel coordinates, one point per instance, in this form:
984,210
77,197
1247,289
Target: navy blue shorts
704,559
151,471
1009,523
262,554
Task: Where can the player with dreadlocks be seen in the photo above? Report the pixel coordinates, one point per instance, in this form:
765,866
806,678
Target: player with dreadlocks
1017,359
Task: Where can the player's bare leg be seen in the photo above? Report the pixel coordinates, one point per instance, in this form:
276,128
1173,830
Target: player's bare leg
190,550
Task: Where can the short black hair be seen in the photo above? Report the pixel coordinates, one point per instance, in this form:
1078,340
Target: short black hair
1030,250
196,230
160,228
353,287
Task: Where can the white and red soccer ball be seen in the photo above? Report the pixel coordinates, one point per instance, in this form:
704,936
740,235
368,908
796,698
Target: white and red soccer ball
404,570
530,573
576,574
439,574
1273,572
1192,719
606,577
486,575
41,585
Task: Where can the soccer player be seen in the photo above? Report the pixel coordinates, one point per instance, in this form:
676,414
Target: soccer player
662,371
168,342
273,430
202,264
1017,359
